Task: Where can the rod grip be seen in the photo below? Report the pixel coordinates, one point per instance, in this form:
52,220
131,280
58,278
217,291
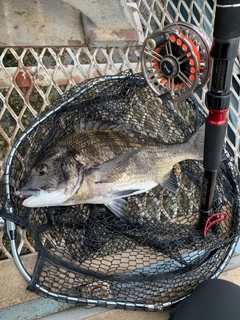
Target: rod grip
213,146
227,22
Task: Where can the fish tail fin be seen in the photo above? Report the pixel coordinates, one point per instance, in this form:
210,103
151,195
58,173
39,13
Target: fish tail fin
196,142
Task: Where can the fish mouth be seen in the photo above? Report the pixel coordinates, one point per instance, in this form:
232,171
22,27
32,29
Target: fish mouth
26,193
39,197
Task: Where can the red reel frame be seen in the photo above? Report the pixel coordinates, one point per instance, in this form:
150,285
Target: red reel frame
176,61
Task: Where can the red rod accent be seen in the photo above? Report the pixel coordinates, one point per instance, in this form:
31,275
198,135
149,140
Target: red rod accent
217,117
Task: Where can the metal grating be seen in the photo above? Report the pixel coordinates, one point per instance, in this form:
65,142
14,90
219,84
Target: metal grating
32,78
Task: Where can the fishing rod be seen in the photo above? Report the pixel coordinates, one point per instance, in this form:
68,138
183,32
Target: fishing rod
223,52
176,62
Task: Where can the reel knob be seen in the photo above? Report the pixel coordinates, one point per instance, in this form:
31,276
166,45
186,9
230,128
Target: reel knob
176,61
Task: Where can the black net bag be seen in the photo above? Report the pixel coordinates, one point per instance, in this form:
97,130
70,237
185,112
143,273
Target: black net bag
154,255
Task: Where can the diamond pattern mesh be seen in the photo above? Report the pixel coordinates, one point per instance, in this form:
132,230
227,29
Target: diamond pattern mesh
154,255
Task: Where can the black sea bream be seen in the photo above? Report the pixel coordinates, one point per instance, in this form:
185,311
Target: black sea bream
102,164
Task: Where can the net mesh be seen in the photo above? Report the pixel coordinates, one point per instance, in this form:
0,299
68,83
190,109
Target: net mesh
154,255
48,72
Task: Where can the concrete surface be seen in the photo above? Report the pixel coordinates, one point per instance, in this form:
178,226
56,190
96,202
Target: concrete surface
69,23
103,314
13,285
40,23
16,303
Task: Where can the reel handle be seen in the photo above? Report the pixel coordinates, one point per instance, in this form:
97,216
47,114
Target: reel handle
156,40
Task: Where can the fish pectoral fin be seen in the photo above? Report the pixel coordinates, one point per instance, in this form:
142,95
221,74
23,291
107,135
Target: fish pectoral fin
171,183
117,206
127,193
111,170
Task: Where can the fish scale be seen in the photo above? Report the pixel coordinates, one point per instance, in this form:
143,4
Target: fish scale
105,163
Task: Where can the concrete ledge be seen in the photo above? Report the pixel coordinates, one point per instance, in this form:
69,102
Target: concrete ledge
33,309
13,285
103,314
112,23
69,23
40,23
18,303
232,275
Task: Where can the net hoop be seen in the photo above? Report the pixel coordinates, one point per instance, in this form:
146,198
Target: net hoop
11,226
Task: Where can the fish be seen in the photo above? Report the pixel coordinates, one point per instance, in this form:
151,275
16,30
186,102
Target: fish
103,163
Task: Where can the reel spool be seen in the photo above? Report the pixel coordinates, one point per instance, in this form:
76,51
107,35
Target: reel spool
176,61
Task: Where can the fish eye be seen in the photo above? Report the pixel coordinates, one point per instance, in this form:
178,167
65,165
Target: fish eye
42,170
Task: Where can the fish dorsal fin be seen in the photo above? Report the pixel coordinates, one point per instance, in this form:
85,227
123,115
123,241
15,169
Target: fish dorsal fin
111,170
171,183
117,206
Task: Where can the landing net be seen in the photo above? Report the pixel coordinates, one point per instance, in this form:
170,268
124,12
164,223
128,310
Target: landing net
152,257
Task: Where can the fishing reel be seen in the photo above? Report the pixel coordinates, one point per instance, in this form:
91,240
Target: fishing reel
176,61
